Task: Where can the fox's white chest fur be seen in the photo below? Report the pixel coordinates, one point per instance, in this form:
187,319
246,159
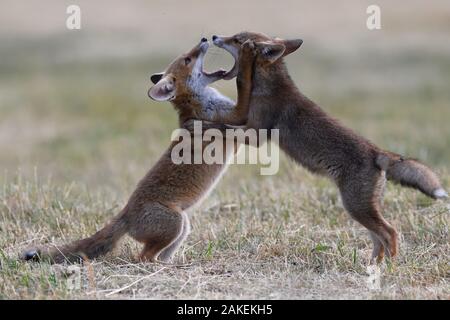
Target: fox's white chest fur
212,101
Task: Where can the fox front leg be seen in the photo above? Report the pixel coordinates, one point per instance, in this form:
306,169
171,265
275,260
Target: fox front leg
238,116
244,81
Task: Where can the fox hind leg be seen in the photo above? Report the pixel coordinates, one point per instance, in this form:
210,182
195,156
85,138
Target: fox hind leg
383,235
158,227
168,252
150,252
362,199
378,249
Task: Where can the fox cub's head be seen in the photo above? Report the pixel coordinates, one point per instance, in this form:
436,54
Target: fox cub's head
184,77
269,50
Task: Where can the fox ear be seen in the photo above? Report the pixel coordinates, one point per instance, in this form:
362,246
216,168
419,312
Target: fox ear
164,90
156,77
270,51
291,45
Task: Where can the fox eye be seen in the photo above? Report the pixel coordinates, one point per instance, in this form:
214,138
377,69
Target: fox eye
236,40
187,60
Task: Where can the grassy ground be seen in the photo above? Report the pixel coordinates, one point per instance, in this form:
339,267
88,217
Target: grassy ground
77,132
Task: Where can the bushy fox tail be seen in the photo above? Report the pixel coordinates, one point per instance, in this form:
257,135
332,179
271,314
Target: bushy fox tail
96,245
410,173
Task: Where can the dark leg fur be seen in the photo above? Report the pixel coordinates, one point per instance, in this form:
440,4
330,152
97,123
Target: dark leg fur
361,197
158,228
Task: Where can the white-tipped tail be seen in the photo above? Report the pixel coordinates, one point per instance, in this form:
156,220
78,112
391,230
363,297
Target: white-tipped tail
440,193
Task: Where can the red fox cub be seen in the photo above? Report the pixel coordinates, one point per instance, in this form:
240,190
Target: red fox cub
322,145
155,213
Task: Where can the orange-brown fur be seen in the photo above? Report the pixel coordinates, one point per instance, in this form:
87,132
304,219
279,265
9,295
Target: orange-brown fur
321,144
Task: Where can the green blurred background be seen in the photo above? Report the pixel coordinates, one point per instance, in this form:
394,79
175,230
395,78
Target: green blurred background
74,105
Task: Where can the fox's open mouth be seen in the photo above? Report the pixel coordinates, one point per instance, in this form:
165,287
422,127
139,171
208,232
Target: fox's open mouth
233,71
234,53
216,74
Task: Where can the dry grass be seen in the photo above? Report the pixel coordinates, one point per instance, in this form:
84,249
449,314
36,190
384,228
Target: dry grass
260,240
77,132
